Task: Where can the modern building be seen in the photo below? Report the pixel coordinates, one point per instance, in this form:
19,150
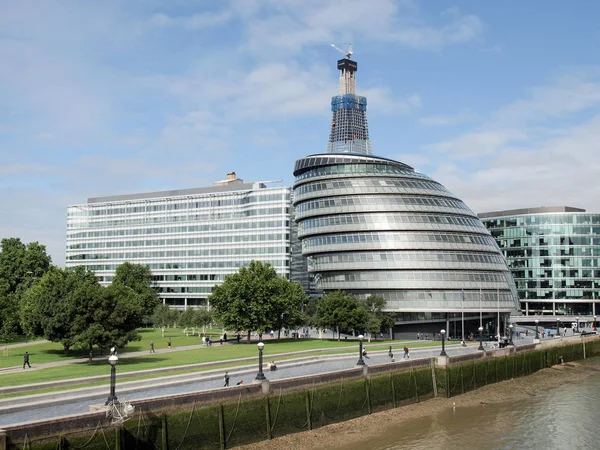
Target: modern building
189,238
554,256
374,226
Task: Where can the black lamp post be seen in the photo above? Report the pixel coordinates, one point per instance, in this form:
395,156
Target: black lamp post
443,334
260,376
595,329
480,338
361,361
577,328
557,327
537,334
510,327
112,360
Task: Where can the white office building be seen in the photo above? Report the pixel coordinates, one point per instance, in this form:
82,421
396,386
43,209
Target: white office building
190,239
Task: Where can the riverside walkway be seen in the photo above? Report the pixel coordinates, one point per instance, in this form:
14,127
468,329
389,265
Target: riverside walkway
74,401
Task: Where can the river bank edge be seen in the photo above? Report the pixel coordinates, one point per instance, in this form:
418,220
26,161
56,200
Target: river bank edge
366,428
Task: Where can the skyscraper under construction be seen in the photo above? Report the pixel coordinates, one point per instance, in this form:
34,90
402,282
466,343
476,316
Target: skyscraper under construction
374,226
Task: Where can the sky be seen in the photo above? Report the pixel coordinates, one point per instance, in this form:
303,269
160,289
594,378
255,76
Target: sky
499,101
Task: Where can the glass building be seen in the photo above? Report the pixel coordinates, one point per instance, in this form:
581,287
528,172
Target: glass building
374,226
190,239
554,256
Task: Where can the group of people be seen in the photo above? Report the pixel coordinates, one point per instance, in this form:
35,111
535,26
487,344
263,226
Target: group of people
271,365
391,353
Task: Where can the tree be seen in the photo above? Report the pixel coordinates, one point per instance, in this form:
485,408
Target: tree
110,318
20,266
377,319
247,299
161,317
287,307
55,303
139,279
202,318
338,310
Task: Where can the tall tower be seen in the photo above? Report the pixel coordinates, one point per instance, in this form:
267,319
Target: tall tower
349,129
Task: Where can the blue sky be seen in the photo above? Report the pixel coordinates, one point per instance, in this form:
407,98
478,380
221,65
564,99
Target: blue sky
499,101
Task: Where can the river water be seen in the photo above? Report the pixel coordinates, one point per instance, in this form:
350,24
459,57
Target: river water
565,417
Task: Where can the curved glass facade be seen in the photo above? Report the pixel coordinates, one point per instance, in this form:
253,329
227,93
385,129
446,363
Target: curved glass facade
554,256
374,226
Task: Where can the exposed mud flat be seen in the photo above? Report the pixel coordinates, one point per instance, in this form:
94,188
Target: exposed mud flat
366,428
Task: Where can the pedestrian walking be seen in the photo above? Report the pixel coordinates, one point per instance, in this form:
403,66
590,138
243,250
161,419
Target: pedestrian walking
26,360
169,343
226,378
405,352
152,347
390,351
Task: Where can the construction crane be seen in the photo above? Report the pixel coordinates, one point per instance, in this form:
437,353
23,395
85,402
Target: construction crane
348,53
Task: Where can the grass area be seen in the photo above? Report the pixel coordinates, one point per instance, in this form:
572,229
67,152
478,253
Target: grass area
216,353
347,347
42,352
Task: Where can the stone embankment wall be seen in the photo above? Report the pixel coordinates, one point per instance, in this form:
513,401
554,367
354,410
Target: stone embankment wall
238,415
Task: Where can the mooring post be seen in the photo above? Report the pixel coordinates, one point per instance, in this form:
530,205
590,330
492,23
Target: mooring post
433,377
268,417
308,410
164,435
222,427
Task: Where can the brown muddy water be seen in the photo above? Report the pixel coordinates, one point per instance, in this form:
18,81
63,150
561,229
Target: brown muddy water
556,408
564,417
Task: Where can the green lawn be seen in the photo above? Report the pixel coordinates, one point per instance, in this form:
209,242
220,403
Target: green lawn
226,353
44,352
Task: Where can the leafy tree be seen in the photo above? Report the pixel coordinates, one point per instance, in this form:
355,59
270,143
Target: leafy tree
54,303
139,279
247,300
202,318
338,310
20,266
110,318
377,319
287,306
162,317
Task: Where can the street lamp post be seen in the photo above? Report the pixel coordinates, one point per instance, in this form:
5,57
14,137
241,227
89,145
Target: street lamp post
595,329
112,360
557,327
443,334
537,334
577,327
260,376
480,338
510,327
361,361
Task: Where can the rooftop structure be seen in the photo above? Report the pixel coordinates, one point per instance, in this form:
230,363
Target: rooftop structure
349,129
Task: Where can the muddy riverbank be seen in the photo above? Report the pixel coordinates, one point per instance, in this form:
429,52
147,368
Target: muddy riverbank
366,429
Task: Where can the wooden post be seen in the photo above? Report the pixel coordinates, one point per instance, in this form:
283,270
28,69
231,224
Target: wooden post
368,392
308,410
462,380
433,377
164,435
268,417
393,390
416,389
119,437
2,440
447,381
222,427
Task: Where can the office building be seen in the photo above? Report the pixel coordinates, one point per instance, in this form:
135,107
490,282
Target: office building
554,256
374,226
190,238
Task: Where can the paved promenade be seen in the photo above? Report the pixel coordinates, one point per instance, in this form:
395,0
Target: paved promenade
68,402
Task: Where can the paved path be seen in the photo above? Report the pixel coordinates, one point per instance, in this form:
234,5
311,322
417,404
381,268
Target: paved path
63,405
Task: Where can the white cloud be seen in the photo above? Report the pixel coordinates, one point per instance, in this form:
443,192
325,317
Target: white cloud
193,22
530,158
447,120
